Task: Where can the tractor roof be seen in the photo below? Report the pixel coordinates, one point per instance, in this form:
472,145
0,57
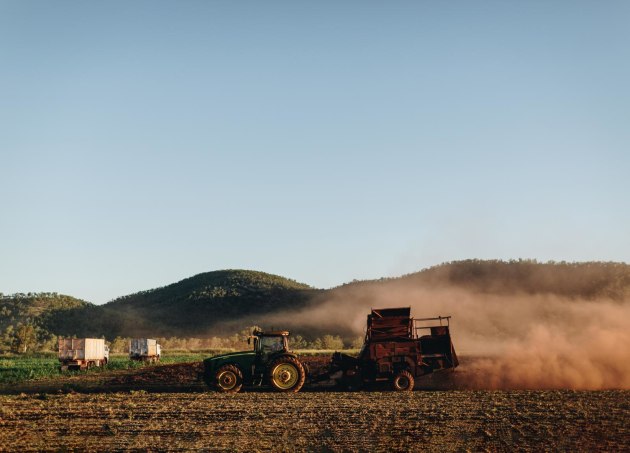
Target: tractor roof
272,333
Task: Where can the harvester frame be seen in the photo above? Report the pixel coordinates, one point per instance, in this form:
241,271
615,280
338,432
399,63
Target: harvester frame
397,350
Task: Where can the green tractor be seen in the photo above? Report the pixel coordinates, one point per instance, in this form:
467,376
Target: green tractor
270,363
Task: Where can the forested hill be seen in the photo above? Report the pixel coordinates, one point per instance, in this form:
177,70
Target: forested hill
27,314
212,303
584,280
223,302
207,302
21,308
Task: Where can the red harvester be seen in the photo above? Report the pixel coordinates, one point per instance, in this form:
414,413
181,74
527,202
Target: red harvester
397,349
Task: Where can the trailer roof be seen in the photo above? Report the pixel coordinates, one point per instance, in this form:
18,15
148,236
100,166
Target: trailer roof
391,312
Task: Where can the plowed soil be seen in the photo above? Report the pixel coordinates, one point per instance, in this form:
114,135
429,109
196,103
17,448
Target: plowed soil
175,376
335,421
187,377
178,377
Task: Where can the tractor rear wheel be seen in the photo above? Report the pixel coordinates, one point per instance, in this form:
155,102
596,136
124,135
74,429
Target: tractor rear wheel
228,379
286,374
403,382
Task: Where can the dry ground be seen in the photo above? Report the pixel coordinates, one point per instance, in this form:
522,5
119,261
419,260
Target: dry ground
184,377
320,421
177,377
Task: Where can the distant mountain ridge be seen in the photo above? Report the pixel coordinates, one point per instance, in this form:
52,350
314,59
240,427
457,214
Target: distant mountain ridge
586,280
191,306
23,307
222,302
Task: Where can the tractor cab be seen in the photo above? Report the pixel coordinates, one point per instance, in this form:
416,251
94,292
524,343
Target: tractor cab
270,343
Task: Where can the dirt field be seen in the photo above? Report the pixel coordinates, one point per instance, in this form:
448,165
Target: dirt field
178,377
187,377
168,407
387,421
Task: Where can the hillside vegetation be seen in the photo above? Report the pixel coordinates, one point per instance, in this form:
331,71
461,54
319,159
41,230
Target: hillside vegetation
588,280
585,280
24,318
227,301
193,306
212,303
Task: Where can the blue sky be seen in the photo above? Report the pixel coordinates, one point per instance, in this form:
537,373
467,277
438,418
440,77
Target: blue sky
145,142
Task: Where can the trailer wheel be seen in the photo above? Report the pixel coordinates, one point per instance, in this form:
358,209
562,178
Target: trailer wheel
403,382
286,374
228,379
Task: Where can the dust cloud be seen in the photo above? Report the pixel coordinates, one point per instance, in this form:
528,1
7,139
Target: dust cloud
518,341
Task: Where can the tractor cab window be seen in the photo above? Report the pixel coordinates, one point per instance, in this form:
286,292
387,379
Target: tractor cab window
271,344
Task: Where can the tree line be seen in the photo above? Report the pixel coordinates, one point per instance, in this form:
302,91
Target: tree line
27,337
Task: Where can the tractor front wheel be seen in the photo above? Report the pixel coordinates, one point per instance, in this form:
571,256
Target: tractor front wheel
403,382
286,374
228,379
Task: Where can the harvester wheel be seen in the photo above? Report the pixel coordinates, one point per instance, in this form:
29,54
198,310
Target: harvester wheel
228,379
403,382
286,374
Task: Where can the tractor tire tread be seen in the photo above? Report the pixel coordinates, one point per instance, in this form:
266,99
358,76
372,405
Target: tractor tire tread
297,364
239,376
408,377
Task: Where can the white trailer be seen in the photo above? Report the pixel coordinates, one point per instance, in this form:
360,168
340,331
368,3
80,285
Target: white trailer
82,353
144,349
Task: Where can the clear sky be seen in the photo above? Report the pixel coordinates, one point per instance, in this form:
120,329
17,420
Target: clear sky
325,141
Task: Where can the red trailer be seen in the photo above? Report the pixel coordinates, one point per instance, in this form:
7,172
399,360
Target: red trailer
397,349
